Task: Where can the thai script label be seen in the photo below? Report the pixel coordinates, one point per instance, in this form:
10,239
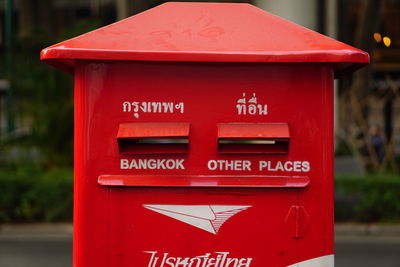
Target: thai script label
250,107
152,107
217,259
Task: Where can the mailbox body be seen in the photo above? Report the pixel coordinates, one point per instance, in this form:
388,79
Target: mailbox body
285,222
203,137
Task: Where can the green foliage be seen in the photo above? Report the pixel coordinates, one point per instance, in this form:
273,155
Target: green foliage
78,27
30,194
43,97
372,198
33,194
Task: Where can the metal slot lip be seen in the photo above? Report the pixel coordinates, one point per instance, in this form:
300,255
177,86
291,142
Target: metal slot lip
160,141
153,138
253,147
247,142
253,138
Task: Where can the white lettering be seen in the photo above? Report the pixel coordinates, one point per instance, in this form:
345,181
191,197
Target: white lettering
124,164
297,166
279,166
211,262
142,164
250,106
229,165
217,259
212,165
245,262
246,165
164,259
182,262
160,164
286,166
133,165
136,107
238,165
179,164
232,260
261,165
170,261
153,259
221,164
170,164
152,164
305,166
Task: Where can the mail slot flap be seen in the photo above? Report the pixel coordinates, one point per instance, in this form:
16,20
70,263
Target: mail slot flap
153,130
233,181
254,130
253,138
153,138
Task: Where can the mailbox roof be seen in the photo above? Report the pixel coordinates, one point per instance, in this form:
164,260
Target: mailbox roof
205,32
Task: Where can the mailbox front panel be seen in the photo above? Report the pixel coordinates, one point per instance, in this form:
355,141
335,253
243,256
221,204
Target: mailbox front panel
212,164
242,226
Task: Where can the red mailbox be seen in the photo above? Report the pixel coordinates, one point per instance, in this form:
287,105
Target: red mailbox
203,137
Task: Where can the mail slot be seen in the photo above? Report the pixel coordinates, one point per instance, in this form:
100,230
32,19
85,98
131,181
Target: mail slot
203,137
148,138
253,138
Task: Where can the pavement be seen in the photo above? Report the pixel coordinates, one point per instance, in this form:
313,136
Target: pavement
367,245
50,245
41,231
36,245
348,165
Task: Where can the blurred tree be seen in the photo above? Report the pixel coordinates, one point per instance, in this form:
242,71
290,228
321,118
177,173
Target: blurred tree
35,16
44,105
26,19
368,142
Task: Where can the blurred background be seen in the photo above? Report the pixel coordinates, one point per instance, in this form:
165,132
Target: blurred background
36,122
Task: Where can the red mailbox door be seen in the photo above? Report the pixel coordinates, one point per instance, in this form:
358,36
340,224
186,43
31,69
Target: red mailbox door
200,227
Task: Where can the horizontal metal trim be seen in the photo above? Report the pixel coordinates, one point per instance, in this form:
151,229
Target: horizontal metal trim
227,181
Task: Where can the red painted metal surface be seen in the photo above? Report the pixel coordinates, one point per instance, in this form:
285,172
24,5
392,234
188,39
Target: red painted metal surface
210,99
239,181
297,221
206,32
247,236
151,209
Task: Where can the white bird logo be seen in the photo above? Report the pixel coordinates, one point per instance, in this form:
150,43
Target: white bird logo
209,218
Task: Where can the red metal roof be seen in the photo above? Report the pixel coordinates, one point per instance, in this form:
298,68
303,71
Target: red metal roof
205,32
